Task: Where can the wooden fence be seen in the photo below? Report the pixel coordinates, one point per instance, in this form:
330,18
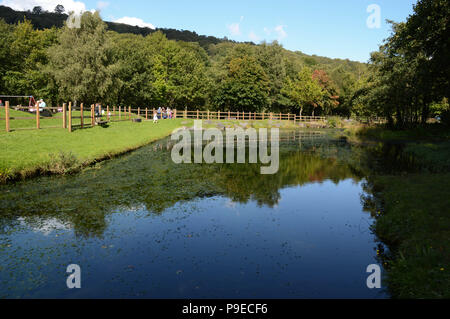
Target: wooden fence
247,116
75,117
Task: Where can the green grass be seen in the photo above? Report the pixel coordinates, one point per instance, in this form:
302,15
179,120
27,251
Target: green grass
433,132
46,122
434,155
415,223
30,152
415,217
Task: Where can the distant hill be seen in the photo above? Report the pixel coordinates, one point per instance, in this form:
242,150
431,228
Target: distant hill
47,20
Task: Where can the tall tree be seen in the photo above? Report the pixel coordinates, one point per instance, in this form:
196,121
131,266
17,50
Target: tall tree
245,87
81,61
59,9
303,90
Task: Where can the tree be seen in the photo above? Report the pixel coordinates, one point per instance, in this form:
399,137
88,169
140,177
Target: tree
410,70
303,90
245,87
27,54
59,9
330,97
37,10
81,62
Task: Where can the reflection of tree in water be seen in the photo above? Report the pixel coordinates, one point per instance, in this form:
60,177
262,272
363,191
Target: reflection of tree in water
148,179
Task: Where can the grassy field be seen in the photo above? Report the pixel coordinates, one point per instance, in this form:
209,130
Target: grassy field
17,121
30,152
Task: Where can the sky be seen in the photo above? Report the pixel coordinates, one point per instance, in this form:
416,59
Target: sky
332,28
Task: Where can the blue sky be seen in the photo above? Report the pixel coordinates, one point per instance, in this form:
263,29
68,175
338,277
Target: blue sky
332,28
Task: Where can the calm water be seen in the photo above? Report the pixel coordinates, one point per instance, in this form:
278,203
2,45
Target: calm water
141,226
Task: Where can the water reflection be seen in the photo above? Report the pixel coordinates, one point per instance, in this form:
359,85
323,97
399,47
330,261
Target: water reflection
188,222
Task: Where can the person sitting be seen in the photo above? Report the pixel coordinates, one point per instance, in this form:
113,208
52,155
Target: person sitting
42,105
1,103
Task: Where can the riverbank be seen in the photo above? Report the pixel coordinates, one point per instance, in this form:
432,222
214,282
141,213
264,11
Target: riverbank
412,213
56,151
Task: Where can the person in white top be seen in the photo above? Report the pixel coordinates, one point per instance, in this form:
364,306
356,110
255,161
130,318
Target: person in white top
42,105
155,117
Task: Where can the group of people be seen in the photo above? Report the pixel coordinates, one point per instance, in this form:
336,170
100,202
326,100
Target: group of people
162,114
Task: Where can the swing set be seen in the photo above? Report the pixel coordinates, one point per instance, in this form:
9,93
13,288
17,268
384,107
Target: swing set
31,101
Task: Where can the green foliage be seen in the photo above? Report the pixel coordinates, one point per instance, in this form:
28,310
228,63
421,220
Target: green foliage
81,61
245,86
148,68
63,163
304,91
410,71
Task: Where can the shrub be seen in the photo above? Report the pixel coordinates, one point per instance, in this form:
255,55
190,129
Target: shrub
62,163
5,174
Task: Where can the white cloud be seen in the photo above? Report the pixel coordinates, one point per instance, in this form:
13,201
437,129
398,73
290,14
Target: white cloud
135,21
253,37
235,28
102,5
48,5
281,33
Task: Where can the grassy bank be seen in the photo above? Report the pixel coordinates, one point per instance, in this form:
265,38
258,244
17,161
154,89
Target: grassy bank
33,152
415,217
415,223
429,132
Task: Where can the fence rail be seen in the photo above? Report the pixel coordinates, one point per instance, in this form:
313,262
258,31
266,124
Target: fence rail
72,117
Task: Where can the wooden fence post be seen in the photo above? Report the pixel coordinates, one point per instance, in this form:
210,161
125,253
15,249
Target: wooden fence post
185,113
120,113
114,111
197,114
146,113
82,115
129,112
7,115
263,116
139,112
38,117
218,116
175,114
208,115
228,115
64,107
107,113
70,116
92,116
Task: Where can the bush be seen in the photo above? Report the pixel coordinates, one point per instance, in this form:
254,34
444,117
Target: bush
5,175
334,122
63,163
